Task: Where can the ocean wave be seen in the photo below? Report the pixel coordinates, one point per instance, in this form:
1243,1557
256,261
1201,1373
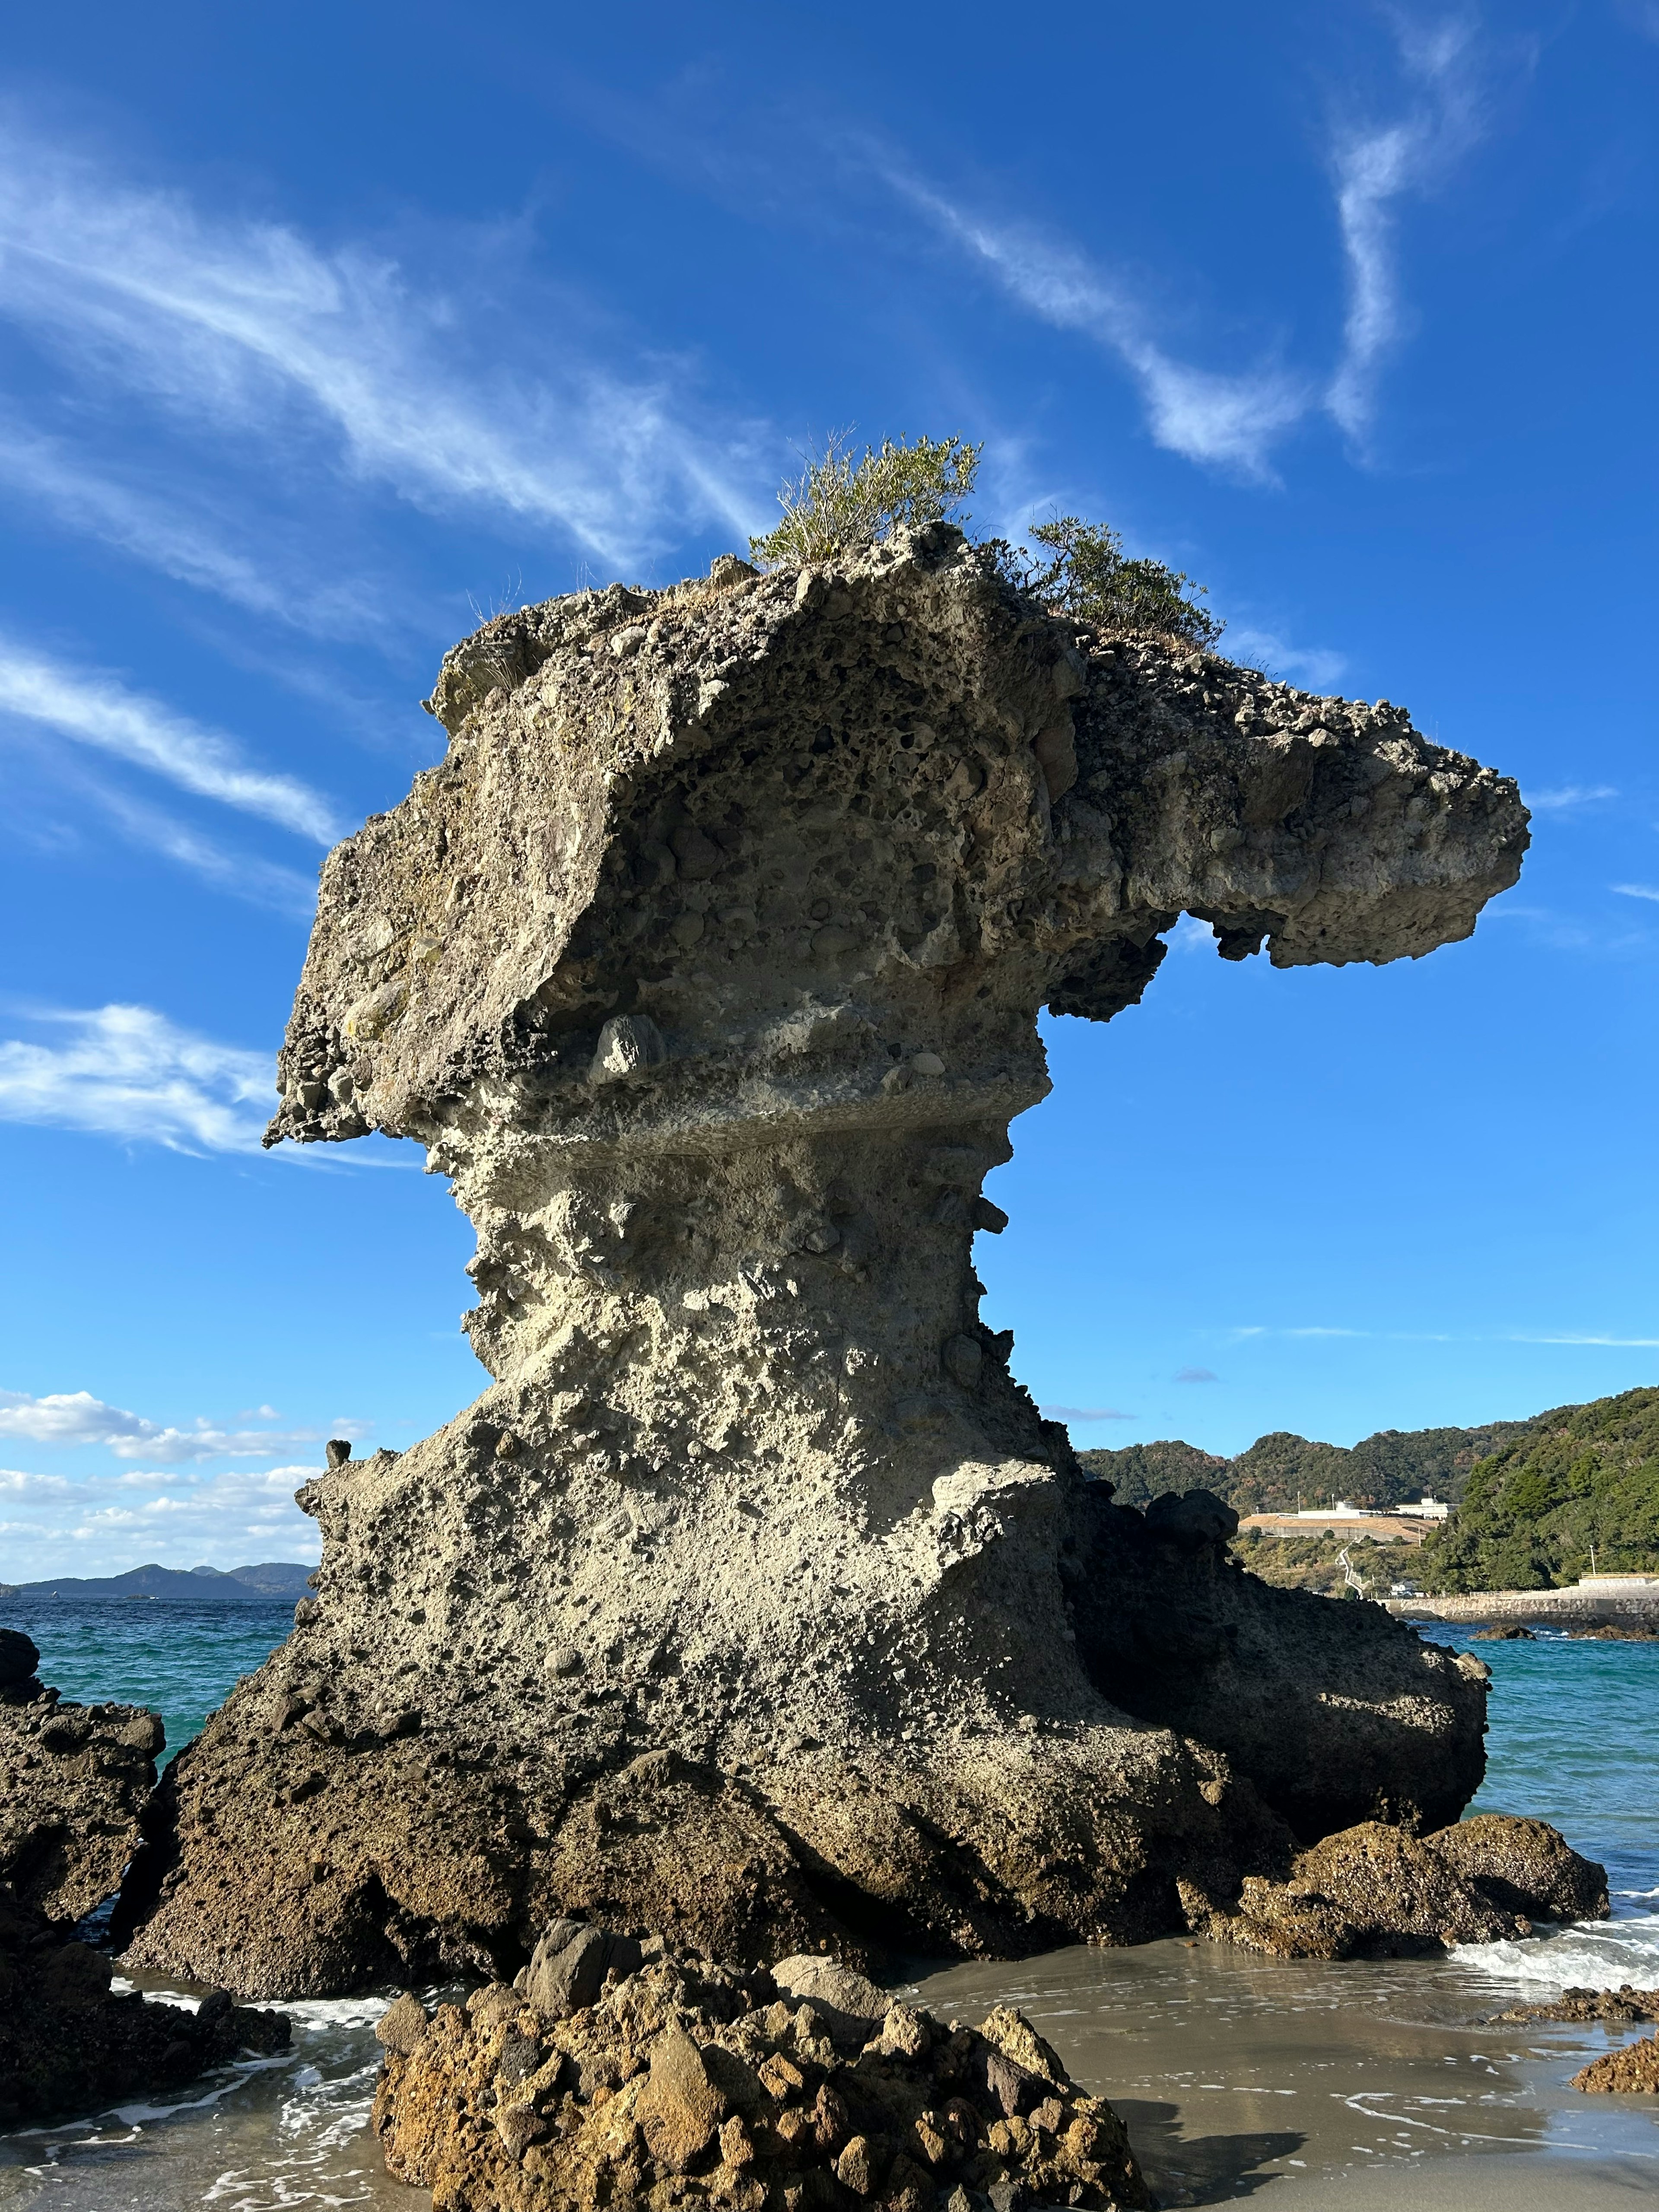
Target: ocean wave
1590,1955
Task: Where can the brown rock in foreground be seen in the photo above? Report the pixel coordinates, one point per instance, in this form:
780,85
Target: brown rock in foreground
1377,1892
68,2044
754,1602
1633,2071
686,2084
1625,2003
74,1783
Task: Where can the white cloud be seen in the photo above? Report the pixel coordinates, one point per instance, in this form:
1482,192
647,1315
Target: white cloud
1191,935
1085,1413
104,1524
1235,418
192,547
260,883
1614,1343
94,709
1637,890
128,1072
1569,796
1202,414
76,1417
249,330
1314,666
1376,165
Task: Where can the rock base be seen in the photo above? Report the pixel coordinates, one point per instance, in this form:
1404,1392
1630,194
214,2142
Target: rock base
1375,1892
68,2044
1632,2071
687,2084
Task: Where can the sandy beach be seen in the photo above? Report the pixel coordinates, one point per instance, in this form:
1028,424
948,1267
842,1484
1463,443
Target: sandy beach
1342,2085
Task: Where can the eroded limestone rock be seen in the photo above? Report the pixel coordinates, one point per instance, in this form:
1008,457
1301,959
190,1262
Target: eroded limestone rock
754,1602
687,2084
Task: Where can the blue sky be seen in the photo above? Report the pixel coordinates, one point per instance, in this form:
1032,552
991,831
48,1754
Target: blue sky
324,331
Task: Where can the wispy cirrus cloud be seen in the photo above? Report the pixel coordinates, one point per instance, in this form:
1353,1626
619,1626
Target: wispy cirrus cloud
1202,414
1315,665
258,882
1638,891
1375,166
1235,418
91,709
417,379
171,531
76,1417
1085,1413
129,1073
1567,797
105,1523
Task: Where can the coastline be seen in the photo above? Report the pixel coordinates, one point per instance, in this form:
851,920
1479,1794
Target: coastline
1364,2082
1344,2085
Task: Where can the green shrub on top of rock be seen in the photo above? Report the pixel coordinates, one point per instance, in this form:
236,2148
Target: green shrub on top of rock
1089,578
838,506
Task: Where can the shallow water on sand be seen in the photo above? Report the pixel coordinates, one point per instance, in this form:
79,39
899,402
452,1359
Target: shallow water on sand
1328,2085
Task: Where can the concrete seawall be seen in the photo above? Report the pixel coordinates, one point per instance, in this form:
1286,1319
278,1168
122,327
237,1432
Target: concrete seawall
1554,1608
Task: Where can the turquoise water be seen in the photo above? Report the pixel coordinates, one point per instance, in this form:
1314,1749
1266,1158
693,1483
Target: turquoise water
179,1660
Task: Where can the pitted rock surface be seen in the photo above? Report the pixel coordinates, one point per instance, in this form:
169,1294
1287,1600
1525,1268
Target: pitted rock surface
1633,2071
687,2084
754,1602
1378,1892
74,1781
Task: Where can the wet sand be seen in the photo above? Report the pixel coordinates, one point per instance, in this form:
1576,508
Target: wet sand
1343,2087
1352,2085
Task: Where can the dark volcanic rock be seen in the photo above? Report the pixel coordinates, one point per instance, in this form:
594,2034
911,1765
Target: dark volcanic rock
1377,1892
687,2084
755,1602
68,2045
74,1783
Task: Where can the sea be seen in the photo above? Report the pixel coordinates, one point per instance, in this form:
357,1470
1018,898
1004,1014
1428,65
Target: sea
1342,2086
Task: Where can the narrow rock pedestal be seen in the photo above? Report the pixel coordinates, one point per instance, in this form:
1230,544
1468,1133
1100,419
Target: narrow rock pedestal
754,1602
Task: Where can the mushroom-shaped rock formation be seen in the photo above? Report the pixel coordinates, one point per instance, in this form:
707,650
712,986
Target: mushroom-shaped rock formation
754,1603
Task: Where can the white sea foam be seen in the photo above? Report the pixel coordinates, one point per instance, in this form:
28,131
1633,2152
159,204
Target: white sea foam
1590,1955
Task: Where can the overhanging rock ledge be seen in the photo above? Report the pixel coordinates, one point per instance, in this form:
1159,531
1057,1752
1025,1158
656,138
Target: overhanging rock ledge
754,1603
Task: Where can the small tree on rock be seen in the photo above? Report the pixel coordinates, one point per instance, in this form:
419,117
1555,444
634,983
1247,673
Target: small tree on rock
1088,579
837,505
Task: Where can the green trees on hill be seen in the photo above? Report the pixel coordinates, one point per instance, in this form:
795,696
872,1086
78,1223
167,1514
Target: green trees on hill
1582,1476
1532,1497
1282,1471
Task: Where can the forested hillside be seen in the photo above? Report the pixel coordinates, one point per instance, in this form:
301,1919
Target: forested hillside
1282,1471
1579,1476
1532,1497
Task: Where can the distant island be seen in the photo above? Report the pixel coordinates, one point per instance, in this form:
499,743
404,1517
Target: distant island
1539,1503
276,1580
